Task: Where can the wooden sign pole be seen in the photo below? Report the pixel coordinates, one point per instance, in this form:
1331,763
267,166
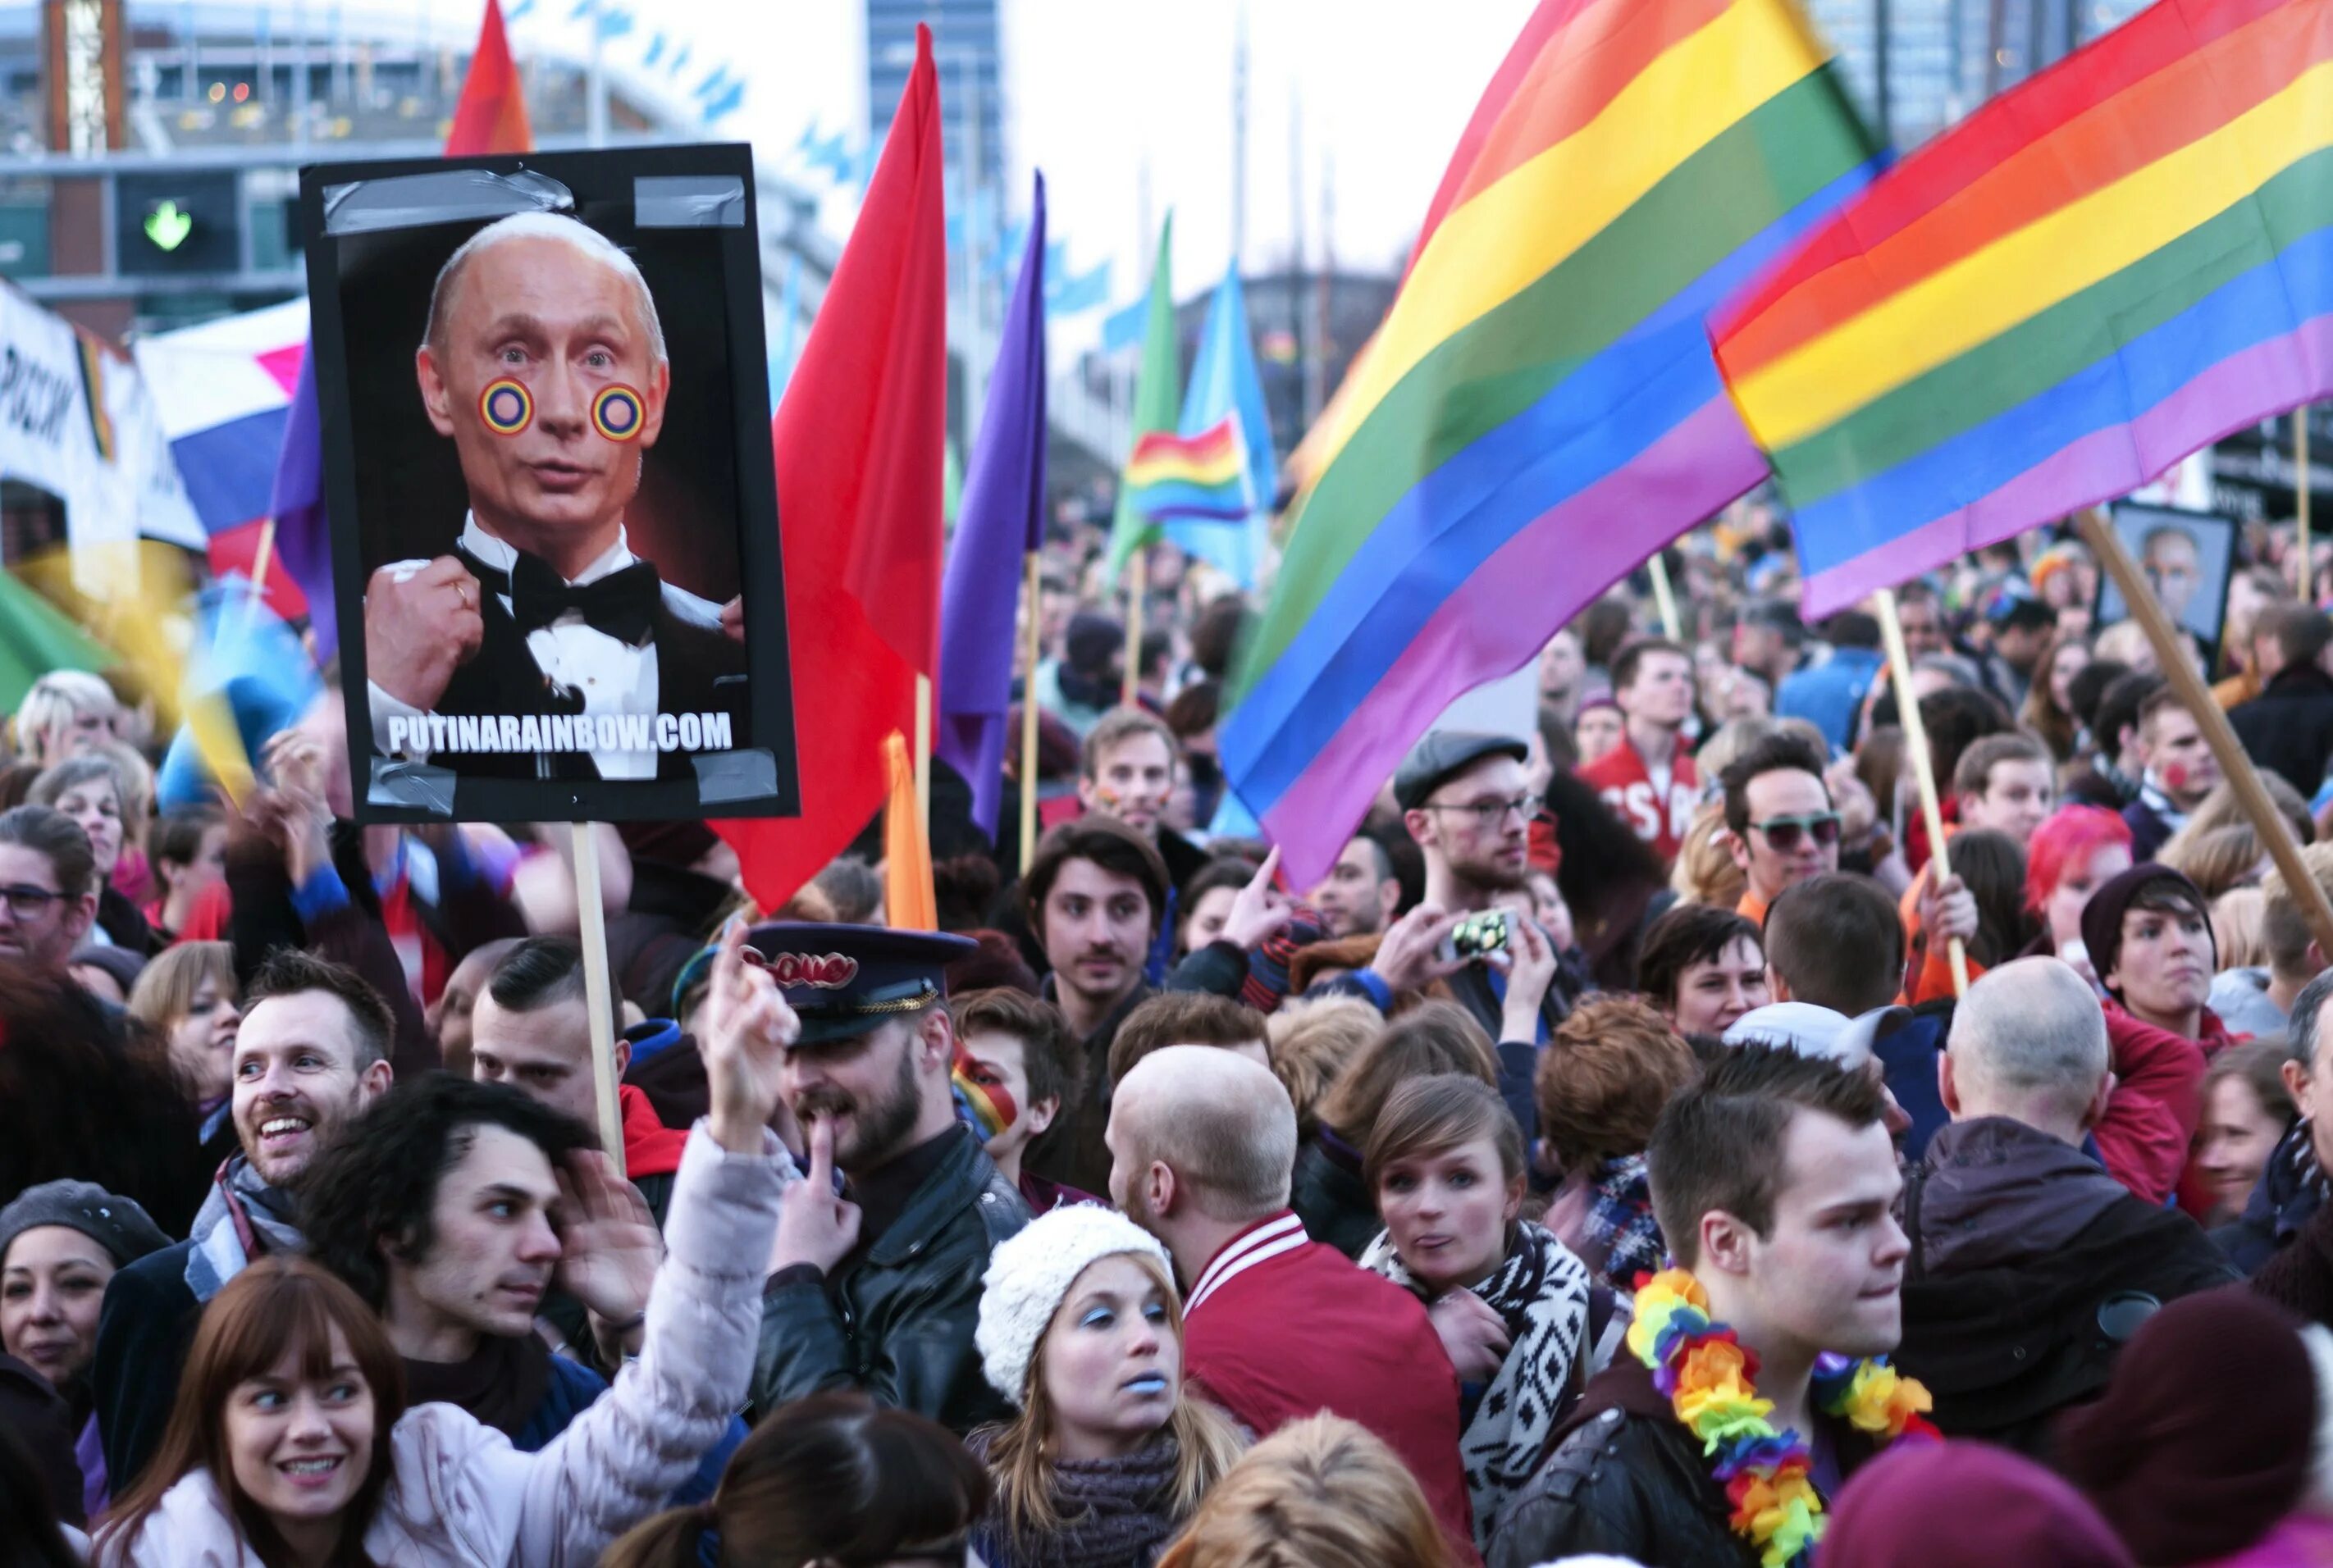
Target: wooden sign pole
598,995
2235,766
1915,747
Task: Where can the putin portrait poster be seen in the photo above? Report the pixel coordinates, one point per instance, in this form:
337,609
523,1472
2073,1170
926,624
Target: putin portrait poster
545,401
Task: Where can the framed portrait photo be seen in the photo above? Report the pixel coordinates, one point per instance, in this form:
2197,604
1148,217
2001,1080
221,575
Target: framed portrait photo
544,403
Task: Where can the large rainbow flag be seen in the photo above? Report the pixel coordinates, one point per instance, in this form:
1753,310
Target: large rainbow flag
2102,270
1539,411
1202,475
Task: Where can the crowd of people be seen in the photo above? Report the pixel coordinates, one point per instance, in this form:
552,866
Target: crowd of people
1600,1163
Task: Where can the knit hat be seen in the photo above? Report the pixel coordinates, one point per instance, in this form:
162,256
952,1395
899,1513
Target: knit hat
2202,1439
116,1224
1030,1273
1939,1505
122,964
2102,916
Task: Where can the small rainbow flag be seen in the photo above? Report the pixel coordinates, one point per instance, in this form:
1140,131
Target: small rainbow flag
2100,272
1539,411
1202,475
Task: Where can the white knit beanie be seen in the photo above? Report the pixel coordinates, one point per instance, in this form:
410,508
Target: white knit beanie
1030,1273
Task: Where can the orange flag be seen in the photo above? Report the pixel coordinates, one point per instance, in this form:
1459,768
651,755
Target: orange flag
490,117
908,896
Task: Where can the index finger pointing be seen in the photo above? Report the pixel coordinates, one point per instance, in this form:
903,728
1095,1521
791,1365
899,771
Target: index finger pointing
821,1155
1264,874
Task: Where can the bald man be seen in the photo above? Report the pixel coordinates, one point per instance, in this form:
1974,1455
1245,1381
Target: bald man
1277,1327
2029,1264
542,646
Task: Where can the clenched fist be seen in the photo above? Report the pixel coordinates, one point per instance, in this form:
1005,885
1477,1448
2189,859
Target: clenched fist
420,626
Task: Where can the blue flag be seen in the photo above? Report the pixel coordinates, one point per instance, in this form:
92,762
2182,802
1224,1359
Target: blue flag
1224,382
1002,519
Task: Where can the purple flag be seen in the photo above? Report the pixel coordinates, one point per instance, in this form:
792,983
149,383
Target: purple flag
1000,520
303,541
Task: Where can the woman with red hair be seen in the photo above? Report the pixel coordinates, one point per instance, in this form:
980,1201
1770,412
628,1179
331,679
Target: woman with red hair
2069,857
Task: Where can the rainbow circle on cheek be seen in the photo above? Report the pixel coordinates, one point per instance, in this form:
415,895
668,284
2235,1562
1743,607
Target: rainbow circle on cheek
505,406
616,413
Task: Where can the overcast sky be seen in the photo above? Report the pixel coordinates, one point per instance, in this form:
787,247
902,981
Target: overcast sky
1102,92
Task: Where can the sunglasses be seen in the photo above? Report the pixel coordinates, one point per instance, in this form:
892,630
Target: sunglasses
1784,832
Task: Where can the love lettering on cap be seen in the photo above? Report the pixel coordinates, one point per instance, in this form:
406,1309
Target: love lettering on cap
827,971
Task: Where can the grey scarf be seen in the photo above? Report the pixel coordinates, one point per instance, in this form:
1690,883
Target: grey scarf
243,1214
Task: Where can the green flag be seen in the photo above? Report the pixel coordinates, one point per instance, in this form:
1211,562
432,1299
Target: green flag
1158,397
35,637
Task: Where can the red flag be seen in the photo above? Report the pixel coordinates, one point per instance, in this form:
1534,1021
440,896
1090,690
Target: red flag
859,440
490,117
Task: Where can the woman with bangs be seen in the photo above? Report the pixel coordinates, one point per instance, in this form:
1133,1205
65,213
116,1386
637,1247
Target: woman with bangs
1510,1302
2070,856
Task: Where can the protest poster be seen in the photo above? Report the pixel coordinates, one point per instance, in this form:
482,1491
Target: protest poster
545,417
2187,559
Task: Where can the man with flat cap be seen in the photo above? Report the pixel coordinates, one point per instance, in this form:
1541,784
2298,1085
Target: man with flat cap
878,1288
1464,798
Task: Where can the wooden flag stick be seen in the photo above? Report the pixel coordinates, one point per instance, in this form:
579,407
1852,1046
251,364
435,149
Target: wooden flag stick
1032,599
2300,501
599,996
924,752
1664,596
1915,744
1135,566
261,559
2171,655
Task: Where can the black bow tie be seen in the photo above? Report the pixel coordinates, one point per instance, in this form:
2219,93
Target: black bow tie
622,603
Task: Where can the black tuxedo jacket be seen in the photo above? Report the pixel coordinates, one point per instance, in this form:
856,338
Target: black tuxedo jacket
699,670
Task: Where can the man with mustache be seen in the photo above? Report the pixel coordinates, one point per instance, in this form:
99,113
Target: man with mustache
876,1285
312,1053
545,363
452,1208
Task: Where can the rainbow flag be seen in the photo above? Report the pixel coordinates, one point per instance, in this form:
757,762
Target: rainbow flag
1539,411
1202,475
2102,270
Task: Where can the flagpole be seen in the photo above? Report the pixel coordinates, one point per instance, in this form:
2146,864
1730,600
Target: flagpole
924,751
1032,590
1664,596
2235,767
1916,745
1137,565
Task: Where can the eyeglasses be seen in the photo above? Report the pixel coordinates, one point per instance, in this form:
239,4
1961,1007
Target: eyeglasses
1490,813
26,902
1783,832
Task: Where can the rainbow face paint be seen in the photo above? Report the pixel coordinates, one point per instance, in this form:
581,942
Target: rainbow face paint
617,413
506,408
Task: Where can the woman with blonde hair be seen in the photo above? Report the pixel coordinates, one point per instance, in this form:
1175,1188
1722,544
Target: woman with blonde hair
188,996
65,714
2218,860
1082,1329
1706,872
1321,1493
1312,1041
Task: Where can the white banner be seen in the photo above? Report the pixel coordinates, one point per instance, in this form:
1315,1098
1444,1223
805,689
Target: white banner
111,492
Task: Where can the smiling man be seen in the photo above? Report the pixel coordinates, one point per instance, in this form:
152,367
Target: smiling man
312,1053
542,644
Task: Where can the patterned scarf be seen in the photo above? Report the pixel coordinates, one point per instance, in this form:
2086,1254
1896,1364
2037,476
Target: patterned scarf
1541,1291
243,1216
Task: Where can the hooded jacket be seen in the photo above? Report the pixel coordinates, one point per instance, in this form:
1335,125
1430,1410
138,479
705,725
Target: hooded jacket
2026,1258
459,1492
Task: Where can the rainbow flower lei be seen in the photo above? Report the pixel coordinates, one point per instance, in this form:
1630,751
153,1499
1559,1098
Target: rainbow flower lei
1709,1376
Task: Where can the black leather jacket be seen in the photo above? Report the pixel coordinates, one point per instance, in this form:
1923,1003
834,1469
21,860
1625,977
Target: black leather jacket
898,1319
1627,1480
